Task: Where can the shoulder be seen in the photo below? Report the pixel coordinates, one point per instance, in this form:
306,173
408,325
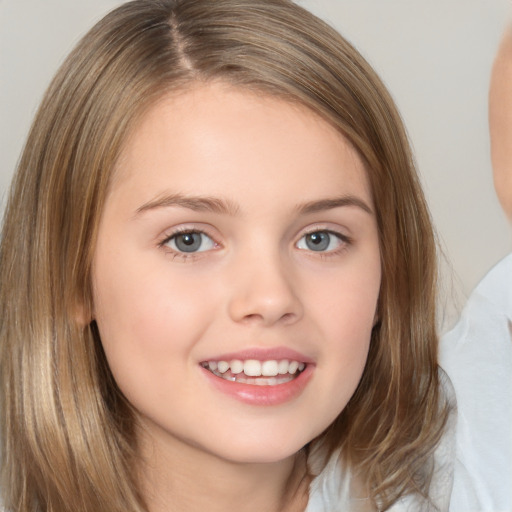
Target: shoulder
480,344
477,356
481,341
496,286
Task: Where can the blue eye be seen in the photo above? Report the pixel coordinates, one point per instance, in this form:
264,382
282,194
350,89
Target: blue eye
190,241
320,241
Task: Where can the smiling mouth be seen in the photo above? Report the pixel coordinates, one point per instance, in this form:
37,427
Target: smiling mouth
258,373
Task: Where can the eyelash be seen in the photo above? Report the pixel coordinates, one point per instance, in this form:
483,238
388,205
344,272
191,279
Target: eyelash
344,241
177,254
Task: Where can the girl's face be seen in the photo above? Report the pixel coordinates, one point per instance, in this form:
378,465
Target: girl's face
236,274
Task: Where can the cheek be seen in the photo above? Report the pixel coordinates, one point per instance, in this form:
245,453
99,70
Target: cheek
348,301
347,312
145,315
149,330
346,315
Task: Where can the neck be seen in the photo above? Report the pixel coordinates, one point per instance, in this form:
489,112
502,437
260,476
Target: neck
178,477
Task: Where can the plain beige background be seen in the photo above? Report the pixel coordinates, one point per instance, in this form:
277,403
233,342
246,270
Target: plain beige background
434,56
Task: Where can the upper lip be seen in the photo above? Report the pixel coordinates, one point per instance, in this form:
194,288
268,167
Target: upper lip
263,354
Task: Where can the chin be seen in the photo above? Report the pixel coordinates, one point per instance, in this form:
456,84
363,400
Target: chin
264,449
259,456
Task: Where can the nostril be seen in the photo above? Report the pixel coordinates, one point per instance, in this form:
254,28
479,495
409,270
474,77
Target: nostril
268,319
288,317
252,317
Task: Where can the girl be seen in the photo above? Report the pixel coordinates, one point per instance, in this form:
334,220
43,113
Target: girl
218,277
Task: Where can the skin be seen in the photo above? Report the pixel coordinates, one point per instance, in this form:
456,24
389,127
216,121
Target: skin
255,284
500,122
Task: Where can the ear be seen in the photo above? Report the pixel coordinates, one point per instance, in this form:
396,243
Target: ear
82,312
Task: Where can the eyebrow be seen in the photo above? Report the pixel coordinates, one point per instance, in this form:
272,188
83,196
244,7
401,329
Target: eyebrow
195,203
331,203
227,207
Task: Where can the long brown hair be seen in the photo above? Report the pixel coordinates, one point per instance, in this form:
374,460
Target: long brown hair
67,432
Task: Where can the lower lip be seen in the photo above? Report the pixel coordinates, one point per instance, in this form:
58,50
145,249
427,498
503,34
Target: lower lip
262,395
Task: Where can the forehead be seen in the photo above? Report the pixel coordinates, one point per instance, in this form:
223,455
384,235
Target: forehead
217,139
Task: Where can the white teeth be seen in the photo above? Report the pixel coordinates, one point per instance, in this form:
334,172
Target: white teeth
294,366
283,366
272,368
269,368
237,366
222,366
252,368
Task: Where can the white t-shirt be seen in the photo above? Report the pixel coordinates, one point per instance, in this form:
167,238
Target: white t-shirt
477,356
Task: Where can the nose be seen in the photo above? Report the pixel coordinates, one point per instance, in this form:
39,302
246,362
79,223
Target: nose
263,291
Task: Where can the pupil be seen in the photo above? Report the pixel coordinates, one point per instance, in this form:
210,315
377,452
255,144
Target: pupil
188,239
318,241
